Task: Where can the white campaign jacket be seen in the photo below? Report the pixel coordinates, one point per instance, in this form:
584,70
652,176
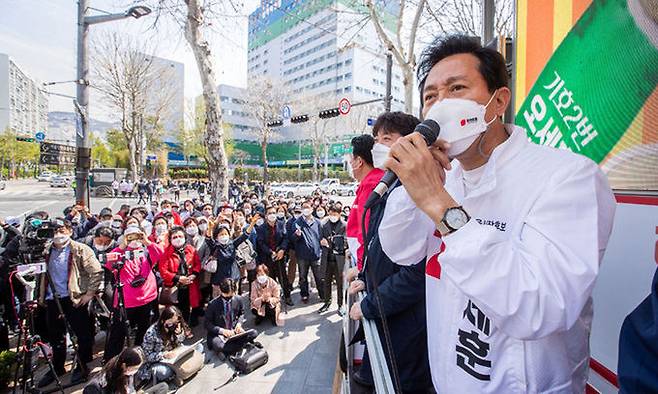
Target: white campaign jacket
508,295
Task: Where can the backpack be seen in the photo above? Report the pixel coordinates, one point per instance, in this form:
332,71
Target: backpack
249,358
245,255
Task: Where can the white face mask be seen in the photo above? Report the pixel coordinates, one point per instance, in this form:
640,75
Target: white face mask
223,239
280,215
271,218
178,242
192,230
262,279
334,219
203,227
160,229
247,211
260,222
147,226
61,240
379,155
100,248
462,121
320,214
306,212
297,215
135,244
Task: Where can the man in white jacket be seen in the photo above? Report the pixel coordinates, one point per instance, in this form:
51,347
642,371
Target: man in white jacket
513,233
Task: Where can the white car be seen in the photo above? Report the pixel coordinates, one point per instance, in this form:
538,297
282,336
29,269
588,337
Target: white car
348,189
330,185
306,189
45,176
288,190
59,181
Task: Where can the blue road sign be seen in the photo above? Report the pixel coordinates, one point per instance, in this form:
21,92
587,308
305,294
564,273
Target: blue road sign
371,121
286,112
40,136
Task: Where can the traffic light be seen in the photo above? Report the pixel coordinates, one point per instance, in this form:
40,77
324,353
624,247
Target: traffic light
329,113
24,139
275,123
299,119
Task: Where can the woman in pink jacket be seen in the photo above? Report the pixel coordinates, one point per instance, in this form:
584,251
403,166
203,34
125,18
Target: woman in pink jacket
266,297
140,291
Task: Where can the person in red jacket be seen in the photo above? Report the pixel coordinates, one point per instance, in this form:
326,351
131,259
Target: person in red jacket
167,207
180,266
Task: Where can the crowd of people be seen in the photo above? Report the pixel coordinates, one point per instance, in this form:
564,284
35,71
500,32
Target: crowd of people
196,259
477,264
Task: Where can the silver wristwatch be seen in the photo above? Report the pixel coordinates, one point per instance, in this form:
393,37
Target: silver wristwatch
453,219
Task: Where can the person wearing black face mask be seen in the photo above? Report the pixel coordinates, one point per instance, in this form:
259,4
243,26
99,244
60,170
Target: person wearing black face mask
223,320
161,342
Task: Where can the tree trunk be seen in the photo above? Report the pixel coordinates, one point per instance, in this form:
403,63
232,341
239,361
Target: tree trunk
407,81
263,150
214,133
316,155
132,156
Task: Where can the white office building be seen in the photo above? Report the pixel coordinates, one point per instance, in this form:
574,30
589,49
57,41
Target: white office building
316,47
173,75
234,113
23,106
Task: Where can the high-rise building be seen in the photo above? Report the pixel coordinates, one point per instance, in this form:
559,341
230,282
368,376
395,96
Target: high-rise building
318,47
23,106
234,113
170,87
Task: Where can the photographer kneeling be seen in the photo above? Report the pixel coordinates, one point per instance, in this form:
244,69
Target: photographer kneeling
76,276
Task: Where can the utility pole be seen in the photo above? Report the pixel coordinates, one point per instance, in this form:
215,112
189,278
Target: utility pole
83,162
82,141
488,15
389,79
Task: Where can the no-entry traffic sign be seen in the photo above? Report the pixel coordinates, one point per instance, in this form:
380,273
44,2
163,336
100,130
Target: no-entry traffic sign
344,106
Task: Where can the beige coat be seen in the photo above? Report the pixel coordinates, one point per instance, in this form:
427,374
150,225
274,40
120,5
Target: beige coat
271,290
85,273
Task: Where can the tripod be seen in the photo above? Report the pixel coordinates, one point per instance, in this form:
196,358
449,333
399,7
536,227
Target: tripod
119,314
28,341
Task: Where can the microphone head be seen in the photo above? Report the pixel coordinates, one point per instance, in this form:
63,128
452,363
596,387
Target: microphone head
429,129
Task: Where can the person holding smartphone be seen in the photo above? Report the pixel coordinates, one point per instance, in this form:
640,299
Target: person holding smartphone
140,291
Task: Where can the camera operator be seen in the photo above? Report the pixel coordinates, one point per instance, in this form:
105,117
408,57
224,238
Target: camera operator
140,289
76,276
9,231
81,219
333,257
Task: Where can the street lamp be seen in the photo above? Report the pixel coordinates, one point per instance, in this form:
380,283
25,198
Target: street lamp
82,142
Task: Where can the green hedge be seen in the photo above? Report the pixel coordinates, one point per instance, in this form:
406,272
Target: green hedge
256,174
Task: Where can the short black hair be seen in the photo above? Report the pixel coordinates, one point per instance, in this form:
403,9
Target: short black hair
104,232
396,122
492,64
334,208
362,147
226,286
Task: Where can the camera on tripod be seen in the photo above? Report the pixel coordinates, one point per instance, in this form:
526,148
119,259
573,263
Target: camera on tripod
118,260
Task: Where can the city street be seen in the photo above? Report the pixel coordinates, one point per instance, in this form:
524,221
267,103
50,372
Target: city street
302,353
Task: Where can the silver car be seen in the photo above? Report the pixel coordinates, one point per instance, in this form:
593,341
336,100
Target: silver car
59,181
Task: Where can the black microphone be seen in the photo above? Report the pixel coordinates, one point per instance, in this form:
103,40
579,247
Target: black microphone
429,129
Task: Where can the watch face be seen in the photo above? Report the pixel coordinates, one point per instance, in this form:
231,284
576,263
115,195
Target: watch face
456,218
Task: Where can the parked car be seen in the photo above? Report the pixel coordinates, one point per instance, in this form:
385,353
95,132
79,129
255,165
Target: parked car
306,189
330,185
3,183
68,175
59,181
45,176
286,189
348,189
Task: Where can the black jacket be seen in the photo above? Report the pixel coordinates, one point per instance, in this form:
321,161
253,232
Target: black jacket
402,295
263,237
334,233
214,319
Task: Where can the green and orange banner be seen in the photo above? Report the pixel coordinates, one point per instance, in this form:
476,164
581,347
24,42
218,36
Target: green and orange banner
587,80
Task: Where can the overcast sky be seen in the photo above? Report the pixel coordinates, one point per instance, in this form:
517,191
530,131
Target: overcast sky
40,35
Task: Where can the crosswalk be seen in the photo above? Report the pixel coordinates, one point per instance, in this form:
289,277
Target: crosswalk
54,193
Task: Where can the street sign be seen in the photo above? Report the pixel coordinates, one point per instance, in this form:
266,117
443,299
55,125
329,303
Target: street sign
286,112
51,148
56,154
40,136
151,157
344,106
371,121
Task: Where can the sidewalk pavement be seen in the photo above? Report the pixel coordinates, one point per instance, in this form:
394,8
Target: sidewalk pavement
302,356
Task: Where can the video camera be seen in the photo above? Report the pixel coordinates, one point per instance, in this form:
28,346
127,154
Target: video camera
117,259
41,230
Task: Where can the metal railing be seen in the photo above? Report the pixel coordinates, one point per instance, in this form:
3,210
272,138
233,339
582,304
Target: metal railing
380,372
